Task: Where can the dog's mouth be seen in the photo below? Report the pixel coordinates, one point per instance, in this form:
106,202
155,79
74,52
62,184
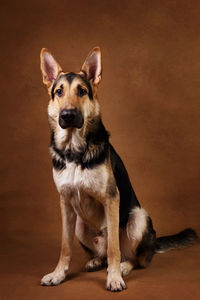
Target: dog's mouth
71,118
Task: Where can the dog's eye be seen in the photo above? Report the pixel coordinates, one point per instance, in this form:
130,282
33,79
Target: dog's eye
59,92
81,91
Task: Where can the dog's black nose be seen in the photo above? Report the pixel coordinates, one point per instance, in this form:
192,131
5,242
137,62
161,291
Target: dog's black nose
68,115
71,118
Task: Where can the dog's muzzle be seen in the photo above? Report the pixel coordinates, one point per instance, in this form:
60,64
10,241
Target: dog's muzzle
70,118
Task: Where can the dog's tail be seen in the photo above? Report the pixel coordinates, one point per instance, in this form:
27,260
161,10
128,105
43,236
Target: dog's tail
182,239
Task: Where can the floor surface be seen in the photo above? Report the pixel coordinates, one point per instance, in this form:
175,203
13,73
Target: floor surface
173,275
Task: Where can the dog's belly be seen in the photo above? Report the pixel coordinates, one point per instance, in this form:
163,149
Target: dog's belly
84,188
89,209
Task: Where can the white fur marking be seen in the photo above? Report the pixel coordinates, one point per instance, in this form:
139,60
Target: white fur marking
137,224
74,177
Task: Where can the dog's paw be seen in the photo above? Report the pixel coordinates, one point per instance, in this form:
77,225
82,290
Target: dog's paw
115,284
94,264
53,278
126,268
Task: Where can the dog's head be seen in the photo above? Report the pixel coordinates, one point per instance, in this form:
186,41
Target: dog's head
73,98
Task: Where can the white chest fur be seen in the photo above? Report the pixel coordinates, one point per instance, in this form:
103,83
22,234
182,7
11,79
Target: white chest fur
84,188
92,181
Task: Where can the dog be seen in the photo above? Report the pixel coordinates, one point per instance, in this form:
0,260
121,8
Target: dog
97,200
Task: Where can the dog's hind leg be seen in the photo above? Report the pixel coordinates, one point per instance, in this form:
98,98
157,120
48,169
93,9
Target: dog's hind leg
146,248
88,241
137,241
95,264
126,267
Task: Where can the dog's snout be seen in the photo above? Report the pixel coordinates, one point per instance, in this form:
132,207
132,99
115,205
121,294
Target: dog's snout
68,114
70,118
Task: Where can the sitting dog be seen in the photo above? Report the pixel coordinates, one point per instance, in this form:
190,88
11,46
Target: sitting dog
97,201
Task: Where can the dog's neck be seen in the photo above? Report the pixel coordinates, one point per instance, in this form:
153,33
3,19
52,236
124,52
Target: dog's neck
70,139
86,146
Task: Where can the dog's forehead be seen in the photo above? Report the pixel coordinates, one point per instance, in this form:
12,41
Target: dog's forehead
71,77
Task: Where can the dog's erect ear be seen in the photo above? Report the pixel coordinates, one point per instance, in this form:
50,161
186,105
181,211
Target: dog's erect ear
92,66
49,67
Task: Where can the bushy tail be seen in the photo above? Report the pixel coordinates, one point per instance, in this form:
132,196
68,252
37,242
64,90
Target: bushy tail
182,239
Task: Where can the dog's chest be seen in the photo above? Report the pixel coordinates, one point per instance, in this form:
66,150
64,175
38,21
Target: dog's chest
74,178
84,188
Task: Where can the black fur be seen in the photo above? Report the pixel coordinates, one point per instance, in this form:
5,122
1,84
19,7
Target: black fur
53,146
146,248
87,83
128,199
54,86
112,190
151,245
80,91
97,144
180,240
70,77
74,156
58,164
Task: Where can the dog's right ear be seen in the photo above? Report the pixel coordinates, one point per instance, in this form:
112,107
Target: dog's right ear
49,67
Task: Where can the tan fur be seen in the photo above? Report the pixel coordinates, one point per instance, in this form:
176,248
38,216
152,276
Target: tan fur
130,236
69,100
68,228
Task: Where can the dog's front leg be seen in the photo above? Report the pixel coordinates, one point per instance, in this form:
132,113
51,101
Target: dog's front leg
114,279
68,229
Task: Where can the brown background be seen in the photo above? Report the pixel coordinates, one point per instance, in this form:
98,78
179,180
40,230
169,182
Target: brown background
150,102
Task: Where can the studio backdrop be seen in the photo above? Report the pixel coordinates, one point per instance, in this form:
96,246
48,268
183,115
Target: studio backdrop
150,104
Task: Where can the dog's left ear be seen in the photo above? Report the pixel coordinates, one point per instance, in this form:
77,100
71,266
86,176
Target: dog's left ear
92,66
49,67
